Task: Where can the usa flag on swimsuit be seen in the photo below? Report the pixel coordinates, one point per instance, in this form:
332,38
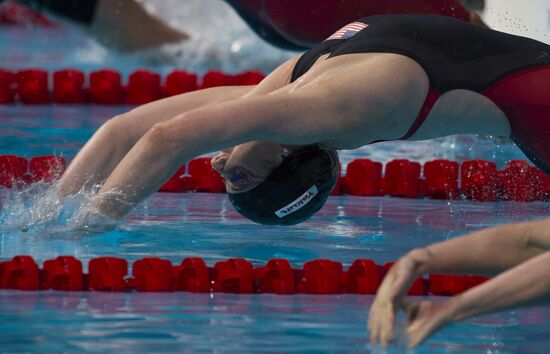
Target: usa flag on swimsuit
348,31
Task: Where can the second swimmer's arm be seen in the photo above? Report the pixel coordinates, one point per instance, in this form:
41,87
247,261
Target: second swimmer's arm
489,251
526,284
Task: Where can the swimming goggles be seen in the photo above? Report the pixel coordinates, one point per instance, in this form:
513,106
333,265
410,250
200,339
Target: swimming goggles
241,178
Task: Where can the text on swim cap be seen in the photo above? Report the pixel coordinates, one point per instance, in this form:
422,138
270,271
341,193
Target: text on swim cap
298,203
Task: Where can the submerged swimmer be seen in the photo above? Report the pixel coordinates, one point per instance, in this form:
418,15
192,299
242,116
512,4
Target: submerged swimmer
518,254
297,25
122,24
408,77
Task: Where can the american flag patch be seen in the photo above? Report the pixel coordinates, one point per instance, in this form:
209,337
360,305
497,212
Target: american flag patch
348,31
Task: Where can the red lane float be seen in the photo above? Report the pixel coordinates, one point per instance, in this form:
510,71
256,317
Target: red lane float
32,86
364,177
518,182
143,87
180,81
192,275
448,285
152,274
205,178
46,168
235,275
364,277
441,179
402,179
8,86
20,273
105,86
107,274
179,182
12,170
63,273
480,180
341,187
277,277
251,77
16,171
68,87
214,78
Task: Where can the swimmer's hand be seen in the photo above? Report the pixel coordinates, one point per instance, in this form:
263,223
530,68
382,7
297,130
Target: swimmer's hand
426,317
390,298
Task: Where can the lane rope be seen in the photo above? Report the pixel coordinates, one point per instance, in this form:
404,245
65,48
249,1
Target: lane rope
477,180
106,87
234,275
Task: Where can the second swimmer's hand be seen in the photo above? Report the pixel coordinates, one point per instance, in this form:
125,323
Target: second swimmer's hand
425,318
389,299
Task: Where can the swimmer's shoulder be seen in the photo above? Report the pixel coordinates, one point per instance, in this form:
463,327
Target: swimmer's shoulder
277,79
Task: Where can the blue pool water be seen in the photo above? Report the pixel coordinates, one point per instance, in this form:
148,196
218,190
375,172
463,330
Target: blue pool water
175,226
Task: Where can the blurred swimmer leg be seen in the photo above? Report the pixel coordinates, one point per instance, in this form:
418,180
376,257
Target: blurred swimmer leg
127,26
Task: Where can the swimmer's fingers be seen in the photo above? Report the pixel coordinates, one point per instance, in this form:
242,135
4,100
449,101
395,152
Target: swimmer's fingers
381,322
423,319
390,296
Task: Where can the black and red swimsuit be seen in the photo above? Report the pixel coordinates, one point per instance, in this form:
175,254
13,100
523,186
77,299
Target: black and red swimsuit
512,71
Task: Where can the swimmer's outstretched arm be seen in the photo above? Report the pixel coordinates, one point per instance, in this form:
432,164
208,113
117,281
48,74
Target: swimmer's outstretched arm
107,147
283,118
527,284
488,251
112,141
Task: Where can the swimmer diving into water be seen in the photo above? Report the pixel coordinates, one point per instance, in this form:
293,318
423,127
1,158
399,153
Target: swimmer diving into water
397,77
519,256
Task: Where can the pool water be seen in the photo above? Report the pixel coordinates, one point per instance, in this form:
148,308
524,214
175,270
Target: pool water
175,226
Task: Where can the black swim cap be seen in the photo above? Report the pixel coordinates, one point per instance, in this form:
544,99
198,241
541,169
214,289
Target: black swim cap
294,191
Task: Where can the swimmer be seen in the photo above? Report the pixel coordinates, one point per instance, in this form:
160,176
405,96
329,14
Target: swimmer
519,256
294,25
381,78
299,25
121,24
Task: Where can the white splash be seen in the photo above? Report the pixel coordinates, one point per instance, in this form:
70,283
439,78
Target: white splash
39,210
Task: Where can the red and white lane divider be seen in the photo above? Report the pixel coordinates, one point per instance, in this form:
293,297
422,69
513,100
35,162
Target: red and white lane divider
439,179
235,275
69,86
